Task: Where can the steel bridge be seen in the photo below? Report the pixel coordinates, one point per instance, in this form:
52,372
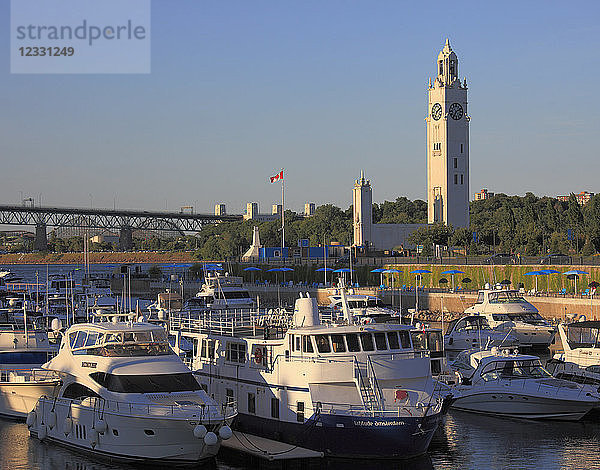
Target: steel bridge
126,221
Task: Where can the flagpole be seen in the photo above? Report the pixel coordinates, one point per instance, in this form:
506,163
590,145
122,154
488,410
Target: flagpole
282,213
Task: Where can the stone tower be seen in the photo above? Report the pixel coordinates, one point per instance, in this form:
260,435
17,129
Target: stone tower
448,144
362,207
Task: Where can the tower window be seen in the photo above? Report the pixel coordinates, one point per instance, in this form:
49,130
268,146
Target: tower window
461,148
455,178
441,68
455,162
452,68
461,178
437,146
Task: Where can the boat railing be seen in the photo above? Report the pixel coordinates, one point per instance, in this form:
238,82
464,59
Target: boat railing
400,411
547,384
101,405
28,375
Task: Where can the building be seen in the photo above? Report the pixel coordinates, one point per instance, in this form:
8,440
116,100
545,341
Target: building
309,209
276,209
448,144
582,198
220,209
105,238
375,236
253,214
483,194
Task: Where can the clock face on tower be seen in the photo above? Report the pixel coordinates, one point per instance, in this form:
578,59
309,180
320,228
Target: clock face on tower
455,111
436,111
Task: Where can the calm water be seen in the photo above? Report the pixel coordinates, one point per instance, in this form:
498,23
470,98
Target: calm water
465,441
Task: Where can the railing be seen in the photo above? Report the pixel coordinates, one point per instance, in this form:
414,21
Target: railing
550,384
402,410
101,405
28,375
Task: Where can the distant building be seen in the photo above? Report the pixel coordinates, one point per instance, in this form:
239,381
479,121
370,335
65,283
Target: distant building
253,214
276,209
582,198
105,238
220,209
483,194
309,209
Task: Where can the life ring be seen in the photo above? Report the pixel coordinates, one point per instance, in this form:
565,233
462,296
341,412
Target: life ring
258,355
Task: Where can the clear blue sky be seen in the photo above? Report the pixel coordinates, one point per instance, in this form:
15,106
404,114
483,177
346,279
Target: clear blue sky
239,89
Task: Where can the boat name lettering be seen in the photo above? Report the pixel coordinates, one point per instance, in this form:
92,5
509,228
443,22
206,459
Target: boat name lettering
89,364
378,423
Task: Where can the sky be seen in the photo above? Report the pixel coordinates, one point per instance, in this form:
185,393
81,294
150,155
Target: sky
325,89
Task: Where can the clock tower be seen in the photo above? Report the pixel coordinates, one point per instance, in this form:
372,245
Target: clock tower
448,144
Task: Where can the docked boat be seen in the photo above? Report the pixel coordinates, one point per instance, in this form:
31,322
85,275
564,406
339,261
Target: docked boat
580,360
221,292
343,389
474,331
126,395
22,352
364,308
516,385
506,310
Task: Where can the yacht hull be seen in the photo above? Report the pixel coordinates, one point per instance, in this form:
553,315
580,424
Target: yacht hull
349,436
519,405
18,399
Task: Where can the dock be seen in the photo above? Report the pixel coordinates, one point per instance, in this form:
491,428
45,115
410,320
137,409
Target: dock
268,449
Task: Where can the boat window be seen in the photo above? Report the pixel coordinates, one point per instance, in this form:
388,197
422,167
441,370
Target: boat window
142,337
80,341
307,346
380,341
128,337
323,343
392,337
129,350
434,340
337,342
352,342
78,392
91,339
235,352
404,339
208,348
251,403
479,298
418,340
298,339
236,295
501,317
154,383
113,338
291,342
366,341
72,337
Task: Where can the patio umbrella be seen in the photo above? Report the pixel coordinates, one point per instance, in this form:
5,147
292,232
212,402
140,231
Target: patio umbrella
505,282
575,273
453,272
343,271
276,270
392,272
466,280
536,274
252,269
380,271
549,271
325,271
418,272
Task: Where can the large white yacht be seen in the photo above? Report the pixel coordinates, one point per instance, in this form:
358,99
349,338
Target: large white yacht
580,359
507,310
364,308
342,389
221,292
474,331
126,395
516,385
22,351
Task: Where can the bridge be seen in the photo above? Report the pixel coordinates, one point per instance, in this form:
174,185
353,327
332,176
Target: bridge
126,221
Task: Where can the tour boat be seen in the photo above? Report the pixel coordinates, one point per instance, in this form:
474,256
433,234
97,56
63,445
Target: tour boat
474,331
126,395
345,389
580,359
516,385
506,310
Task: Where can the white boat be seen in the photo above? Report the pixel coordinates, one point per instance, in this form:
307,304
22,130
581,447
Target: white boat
474,331
221,292
506,310
22,352
347,390
580,359
364,308
516,385
126,395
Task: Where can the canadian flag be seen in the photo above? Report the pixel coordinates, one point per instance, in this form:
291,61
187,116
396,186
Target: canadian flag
277,177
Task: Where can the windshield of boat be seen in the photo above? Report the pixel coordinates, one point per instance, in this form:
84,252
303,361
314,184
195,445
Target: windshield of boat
427,340
120,344
185,382
472,323
514,369
583,337
505,297
362,303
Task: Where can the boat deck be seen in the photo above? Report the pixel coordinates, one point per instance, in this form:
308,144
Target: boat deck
268,449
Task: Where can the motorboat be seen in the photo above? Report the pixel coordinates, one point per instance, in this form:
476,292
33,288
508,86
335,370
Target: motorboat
221,292
126,395
22,351
344,389
510,384
474,331
580,359
364,308
507,310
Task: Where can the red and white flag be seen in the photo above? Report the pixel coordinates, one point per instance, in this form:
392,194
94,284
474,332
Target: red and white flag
277,177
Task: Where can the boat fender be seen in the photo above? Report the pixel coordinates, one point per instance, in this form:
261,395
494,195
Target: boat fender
68,425
31,417
200,431
52,420
210,439
93,437
225,432
100,426
42,432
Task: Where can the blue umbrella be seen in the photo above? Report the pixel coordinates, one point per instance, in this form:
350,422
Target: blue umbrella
287,269
274,270
378,270
420,271
320,270
576,273
392,272
536,274
252,268
342,270
417,272
453,272
549,271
